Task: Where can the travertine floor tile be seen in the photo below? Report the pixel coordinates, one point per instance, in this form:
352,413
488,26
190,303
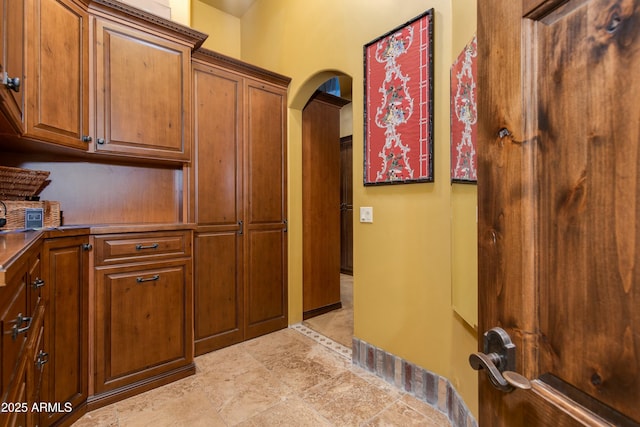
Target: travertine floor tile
103,417
281,379
348,400
291,412
399,414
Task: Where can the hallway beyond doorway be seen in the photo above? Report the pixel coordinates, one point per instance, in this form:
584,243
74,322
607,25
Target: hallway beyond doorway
337,324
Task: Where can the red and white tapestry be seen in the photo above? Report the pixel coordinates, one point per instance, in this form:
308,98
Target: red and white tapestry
464,115
399,104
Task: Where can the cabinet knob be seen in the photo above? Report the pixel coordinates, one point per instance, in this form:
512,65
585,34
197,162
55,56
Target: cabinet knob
12,83
86,138
38,283
87,246
101,141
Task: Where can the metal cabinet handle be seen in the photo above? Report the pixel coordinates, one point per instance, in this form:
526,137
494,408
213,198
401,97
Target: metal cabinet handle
41,359
17,328
101,141
498,361
12,83
38,283
148,279
86,138
241,229
140,246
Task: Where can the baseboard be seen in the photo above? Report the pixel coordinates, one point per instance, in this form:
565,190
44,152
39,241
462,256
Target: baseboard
424,385
321,310
108,397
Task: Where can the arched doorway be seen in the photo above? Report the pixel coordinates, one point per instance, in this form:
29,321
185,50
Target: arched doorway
326,132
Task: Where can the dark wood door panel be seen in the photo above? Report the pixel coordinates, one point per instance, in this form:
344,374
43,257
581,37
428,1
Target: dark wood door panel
140,308
218,291
265,171
346,205
558,218
217,144
265,282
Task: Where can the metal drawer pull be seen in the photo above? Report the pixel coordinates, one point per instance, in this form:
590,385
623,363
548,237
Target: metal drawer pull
41,359
140,247
38,283
148,279
16,329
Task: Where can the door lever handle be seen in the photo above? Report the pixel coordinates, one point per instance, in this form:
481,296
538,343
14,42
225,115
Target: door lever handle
506,381
498,361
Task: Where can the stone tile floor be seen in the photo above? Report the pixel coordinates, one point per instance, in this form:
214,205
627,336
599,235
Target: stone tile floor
286,378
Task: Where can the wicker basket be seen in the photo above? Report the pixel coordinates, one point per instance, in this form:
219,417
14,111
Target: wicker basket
20,184
16,211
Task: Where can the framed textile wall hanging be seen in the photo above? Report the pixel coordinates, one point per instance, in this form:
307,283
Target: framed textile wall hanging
464,115
398,110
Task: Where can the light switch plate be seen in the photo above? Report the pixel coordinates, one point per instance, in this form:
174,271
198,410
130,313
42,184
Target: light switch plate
366,214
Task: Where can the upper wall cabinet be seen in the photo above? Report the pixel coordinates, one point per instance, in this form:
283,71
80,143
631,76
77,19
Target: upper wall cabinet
58,70
12,61
142,84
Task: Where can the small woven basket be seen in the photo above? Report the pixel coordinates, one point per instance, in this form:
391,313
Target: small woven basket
20,184
16,213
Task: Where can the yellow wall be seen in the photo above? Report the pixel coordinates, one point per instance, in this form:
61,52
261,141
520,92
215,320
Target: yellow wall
181,11
403,261
223,29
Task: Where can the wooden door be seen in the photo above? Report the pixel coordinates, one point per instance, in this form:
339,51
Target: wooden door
217,194
346,205
265,209
559,212
321,204
58,68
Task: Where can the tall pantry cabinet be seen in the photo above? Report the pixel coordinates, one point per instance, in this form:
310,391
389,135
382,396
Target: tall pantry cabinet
238,194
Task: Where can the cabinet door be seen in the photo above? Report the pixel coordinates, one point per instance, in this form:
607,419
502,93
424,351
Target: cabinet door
265,274
142,93
143,322
12,66
57,64
66,262
218,294
217,194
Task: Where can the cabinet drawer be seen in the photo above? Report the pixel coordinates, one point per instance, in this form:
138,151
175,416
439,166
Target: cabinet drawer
122,248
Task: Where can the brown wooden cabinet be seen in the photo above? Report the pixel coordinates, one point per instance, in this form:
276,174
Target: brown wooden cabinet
239,201
22,356
57,62
12,62
321,204
66,268
141,91
143,313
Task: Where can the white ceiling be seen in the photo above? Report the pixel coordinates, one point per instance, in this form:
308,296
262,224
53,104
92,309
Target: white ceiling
233,7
